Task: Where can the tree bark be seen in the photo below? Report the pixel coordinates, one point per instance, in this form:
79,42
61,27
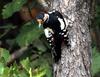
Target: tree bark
76,59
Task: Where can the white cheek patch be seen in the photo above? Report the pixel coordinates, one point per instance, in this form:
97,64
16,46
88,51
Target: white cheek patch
62,25
62,33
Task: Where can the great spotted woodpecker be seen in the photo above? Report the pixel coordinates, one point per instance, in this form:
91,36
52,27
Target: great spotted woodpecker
54,29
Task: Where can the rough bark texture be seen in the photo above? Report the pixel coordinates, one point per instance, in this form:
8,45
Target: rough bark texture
75,60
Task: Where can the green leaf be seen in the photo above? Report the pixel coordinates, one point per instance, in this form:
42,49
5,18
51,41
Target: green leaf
1,68
4,54
48,71
30,72
39,72
96,61
12,7
42,67
26,64
6,72
22,74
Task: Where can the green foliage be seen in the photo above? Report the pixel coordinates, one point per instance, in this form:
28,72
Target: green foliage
7,28
26,64
43,66
28,33
37,72
97,17
95,61
40,46
1,68
12,7
38,68
4,54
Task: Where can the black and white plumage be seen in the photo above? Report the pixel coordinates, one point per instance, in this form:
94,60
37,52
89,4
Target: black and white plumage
54,29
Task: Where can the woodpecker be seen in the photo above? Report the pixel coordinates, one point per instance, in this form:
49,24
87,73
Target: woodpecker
55,30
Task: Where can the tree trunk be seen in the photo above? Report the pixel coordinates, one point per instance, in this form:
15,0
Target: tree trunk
76,59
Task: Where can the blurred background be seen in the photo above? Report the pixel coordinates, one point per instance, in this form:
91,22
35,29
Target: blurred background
24,51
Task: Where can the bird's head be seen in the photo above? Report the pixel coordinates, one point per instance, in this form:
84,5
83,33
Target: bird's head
41,18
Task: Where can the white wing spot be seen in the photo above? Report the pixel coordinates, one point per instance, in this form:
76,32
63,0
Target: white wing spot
62,34
49,40
50,44
52,39
65,35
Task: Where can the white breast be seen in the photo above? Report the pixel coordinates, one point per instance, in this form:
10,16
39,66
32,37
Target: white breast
48,34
